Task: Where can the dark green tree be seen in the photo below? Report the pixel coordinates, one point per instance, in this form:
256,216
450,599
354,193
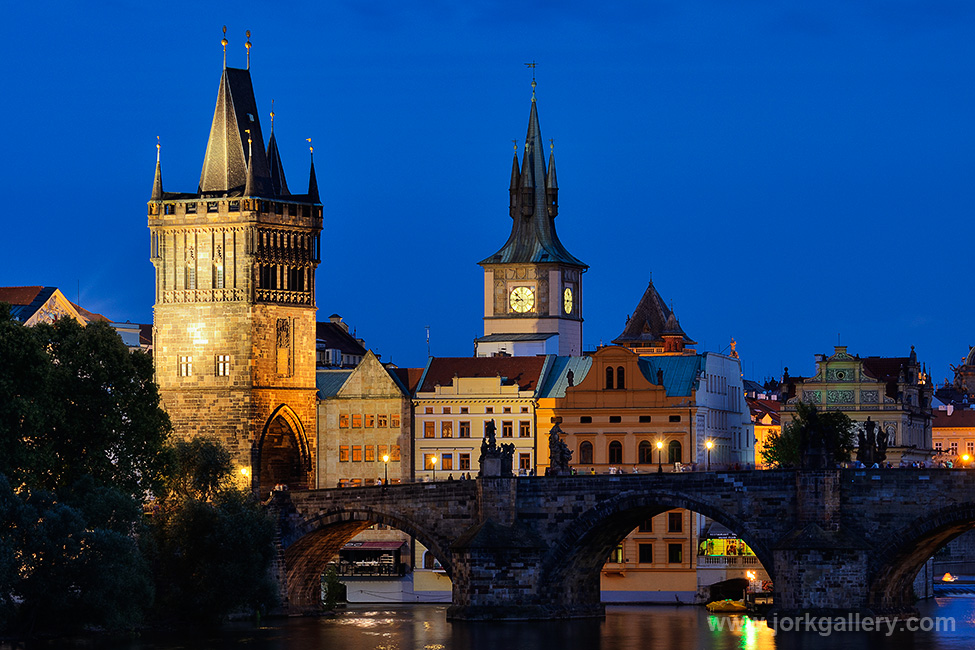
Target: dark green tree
213,542
783,450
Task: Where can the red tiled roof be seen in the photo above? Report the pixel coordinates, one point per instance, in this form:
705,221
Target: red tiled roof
90,316
885,368
409,377
19,295
523,371
959,418
761,407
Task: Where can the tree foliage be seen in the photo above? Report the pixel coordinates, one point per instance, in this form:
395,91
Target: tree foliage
782,450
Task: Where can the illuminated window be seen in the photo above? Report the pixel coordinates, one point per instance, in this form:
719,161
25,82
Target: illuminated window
465,462
446,461
616,452
382,421
185,366
674,452
223,365
954,448
525,461
465,430
394,421
343,453
675,522
446,410
394,452
675,553
507,430
218,276
344,421
646,553
937,445
356,421
382,450
429,410
356,453
429,429
370,420
524,429
428,461
617,555
585,453
370,453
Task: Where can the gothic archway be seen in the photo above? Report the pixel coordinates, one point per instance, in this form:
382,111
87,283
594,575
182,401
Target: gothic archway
281,454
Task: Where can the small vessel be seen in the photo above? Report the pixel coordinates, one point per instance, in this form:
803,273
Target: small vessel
948,578
728,606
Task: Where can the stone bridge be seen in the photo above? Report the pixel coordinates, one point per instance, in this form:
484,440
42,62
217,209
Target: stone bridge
832,540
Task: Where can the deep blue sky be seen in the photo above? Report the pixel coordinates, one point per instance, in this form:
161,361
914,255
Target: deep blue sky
787,171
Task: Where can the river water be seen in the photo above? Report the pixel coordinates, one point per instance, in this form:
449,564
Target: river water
425,627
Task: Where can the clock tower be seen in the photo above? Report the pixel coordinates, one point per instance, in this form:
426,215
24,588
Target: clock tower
532,286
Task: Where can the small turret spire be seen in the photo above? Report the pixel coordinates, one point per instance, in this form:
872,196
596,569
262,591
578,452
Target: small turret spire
513,188
312,179
248,46
224,42
250,186
157,189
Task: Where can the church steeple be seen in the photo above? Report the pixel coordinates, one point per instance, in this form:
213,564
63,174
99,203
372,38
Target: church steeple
533,206
279,186
313,182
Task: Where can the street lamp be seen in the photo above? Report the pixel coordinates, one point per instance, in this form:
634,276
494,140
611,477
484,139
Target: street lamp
709,444
433,464
385,470
660,453
964,459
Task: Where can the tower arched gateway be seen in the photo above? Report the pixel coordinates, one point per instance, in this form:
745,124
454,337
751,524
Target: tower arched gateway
234,317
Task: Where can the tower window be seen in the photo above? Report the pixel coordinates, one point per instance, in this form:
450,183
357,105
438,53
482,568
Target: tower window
616,452
223,365
674,452
191,208
213,206
585,453
620,378
185,366
609,378
234,206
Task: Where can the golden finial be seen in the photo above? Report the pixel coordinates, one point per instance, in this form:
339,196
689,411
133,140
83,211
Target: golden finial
551,145
158,147
223,42
272,116
532,66
310,148
250,149
248,46
515,142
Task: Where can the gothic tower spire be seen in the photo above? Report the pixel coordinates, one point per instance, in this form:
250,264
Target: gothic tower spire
157,188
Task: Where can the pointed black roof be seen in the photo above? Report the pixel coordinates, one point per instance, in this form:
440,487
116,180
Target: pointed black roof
650,321
279,186
157,188
225,163
533,238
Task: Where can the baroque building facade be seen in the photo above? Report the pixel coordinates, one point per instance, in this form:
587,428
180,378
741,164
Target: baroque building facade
234,313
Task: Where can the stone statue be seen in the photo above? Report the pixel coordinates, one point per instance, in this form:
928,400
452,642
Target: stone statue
559,453
869,455
496,460
861,447
490,433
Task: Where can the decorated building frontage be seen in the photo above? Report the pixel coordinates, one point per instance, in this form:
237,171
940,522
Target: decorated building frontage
234,315
895,393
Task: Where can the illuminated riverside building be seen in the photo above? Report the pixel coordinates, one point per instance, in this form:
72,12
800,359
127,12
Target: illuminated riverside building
234,315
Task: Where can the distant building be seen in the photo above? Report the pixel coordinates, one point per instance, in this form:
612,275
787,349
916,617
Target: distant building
960,392
532,285
953,434
766,422
335,347
32,305
894,392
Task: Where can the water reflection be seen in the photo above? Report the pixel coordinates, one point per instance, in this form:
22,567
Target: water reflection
639,628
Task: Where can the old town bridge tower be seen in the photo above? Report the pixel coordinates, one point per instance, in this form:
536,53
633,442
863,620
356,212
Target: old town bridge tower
234,316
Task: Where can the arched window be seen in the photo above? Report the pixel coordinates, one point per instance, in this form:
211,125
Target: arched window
585,453
673,452
428,560
620,379
616,452
609,377
646,452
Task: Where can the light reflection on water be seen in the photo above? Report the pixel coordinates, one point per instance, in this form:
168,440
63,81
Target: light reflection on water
425,627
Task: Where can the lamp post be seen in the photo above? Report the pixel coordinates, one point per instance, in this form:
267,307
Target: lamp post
385,470
433,464
709,444
660,453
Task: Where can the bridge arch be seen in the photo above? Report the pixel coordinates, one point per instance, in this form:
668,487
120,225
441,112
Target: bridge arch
573,563
311,544
896,563
281,453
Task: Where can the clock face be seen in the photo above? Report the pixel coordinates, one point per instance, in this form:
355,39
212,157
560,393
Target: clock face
567,300
522,299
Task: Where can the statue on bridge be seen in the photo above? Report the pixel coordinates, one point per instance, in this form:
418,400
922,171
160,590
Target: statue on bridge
559,453
872,447
495,460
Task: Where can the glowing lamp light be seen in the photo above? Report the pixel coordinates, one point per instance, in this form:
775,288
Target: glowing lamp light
709,444
386,458
966,458
660,444
245,471
750,574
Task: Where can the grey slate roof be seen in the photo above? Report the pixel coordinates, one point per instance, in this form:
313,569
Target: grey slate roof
533,238
330,382
225,163
501,338
650,321
279,186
